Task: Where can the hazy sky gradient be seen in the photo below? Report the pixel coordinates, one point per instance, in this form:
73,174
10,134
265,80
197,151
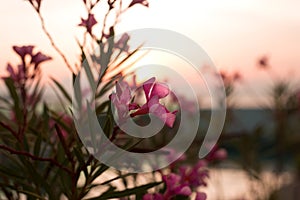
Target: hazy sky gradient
234,33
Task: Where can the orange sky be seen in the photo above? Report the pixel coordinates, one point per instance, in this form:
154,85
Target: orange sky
234,33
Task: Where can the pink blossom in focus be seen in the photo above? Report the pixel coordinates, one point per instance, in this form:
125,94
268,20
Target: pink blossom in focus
155,89
153,92
122,100
89,22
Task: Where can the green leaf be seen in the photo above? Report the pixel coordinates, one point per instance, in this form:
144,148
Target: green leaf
14,95
5,100
31,194
108,86
89,75
37,145
77,92
81,161
101,108
92,129
62,89
99,171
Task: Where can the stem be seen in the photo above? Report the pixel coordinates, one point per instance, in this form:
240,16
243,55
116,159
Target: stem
33,157
10,130
53,43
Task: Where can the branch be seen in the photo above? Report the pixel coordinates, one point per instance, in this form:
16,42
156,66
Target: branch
33,157
53,43
10,130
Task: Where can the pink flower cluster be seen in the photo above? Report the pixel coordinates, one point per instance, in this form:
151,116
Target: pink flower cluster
26,70
187,179
183,183
153,91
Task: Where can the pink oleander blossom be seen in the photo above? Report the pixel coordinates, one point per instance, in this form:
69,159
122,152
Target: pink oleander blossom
174,188
23,50
88,23
122,100
151,89
39,58
155,196
200,196
153,92
194,176
26,70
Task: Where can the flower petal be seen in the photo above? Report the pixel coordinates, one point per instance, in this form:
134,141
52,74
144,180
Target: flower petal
200,196
160,89
147,86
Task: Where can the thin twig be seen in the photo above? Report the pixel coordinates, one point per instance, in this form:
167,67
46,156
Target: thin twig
33,157
53,43
15,134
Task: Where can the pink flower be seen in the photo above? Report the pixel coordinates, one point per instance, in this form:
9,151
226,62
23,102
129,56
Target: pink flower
200,196
216,154
194,176
152,89
175,187
89,22
153,92
23,50
155,196
39,58
122,100
143,2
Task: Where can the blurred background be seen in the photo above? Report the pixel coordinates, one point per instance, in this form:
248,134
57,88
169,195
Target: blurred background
255,44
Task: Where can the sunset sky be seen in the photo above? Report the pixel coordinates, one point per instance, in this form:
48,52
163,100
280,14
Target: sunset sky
234,33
